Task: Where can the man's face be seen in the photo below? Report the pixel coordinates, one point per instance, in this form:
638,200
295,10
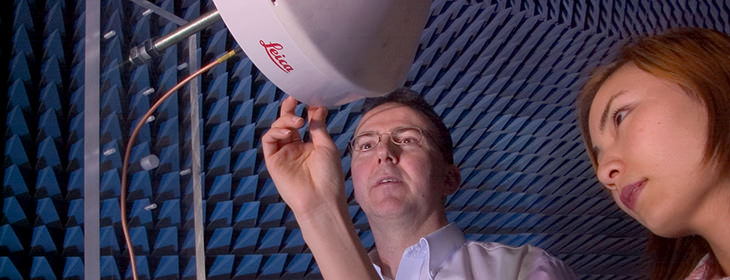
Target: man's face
406,180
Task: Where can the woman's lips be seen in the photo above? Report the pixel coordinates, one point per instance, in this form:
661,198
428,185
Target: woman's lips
630,192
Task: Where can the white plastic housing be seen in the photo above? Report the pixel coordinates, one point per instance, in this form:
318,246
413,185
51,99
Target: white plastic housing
328,52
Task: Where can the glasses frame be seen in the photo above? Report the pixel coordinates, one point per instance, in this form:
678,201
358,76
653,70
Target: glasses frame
421,133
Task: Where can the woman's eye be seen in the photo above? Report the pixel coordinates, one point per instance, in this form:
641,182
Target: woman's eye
619,116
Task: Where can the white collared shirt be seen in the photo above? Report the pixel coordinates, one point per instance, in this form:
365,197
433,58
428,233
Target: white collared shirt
446,254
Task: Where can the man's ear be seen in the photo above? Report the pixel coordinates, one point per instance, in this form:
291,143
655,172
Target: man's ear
453,179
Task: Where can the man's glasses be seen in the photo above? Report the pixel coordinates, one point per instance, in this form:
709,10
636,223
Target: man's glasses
401,136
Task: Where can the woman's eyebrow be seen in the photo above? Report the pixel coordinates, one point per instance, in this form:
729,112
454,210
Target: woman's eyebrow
604,115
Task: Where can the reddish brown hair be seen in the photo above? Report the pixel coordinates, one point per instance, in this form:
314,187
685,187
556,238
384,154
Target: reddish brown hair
697,60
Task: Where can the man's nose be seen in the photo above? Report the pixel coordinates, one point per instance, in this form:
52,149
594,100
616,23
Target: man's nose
386,150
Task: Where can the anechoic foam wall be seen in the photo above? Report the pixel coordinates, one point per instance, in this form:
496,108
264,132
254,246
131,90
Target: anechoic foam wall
502,74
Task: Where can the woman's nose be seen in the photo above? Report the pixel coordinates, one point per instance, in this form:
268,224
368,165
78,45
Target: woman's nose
610,168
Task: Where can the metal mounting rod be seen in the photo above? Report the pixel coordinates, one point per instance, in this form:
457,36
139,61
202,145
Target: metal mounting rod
150,49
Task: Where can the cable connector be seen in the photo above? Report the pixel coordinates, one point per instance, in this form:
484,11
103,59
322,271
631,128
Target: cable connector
143,53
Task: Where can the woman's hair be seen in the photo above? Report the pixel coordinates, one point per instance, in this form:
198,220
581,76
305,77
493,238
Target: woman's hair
675,258
698,60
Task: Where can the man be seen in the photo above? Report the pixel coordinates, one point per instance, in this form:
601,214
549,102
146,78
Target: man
402,170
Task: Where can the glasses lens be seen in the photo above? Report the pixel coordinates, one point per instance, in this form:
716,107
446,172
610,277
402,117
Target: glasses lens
364,142
407,136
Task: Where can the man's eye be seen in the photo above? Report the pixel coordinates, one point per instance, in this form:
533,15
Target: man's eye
406,140
365,146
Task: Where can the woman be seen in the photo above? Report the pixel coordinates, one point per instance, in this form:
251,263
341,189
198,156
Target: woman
656,124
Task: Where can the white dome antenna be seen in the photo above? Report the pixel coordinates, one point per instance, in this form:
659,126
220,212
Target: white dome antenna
328,52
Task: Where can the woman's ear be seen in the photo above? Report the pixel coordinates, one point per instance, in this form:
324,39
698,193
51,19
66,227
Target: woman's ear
453,179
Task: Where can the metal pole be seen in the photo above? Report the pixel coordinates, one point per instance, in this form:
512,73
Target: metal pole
150,49
92,65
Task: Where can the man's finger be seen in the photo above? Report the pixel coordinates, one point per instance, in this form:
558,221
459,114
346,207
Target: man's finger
287,118
276,137
288,121
317,125
287,107
284,129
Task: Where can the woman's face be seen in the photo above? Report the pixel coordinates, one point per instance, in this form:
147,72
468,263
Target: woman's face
649,137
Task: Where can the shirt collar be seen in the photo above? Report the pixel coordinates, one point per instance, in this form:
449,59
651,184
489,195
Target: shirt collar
441,244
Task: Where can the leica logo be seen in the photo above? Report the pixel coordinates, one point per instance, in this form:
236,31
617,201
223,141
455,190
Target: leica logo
273,50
